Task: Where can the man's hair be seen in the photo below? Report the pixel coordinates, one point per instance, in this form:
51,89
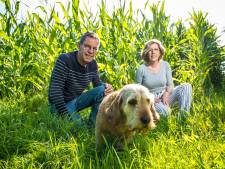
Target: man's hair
88,34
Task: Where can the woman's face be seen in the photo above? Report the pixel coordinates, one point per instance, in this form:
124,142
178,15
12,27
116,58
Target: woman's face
154,53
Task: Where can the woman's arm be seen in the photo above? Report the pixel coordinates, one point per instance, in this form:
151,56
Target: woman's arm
139,76
169,87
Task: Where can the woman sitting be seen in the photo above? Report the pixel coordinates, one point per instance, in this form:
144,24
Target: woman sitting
156,75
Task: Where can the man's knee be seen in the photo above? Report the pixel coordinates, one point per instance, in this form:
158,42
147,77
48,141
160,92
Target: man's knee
100,92
101,88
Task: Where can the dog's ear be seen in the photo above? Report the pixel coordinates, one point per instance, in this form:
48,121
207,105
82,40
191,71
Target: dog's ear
113,99
121,117
116,102
115,110
119,101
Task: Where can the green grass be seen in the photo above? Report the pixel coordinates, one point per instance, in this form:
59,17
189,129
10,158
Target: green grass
31,137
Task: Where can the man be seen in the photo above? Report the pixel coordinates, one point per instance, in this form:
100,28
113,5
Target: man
71,76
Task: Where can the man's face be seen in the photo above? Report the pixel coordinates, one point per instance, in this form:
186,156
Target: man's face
88,49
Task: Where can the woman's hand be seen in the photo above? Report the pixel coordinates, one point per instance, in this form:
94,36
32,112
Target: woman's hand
165,98
157,100
108,88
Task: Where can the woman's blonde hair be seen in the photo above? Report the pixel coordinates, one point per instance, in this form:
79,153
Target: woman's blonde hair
145,52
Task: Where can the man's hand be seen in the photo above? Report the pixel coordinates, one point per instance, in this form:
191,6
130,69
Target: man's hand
108,88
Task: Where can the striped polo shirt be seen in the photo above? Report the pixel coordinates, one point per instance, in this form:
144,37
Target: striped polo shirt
69,79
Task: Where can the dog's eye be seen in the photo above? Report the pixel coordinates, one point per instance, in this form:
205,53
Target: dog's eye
132,102
148,100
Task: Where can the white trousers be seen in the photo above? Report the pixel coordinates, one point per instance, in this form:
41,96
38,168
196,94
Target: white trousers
182,95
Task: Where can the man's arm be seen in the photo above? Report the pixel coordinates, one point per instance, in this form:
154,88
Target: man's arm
96,82
57,86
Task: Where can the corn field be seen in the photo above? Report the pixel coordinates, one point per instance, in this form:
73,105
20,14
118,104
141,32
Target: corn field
31,137
29,48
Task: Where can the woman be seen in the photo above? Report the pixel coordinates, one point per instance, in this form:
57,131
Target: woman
156,75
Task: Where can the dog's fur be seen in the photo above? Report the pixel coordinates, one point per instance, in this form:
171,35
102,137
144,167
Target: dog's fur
124,112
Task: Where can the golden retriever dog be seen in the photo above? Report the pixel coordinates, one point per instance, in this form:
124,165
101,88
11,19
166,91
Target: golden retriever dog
124,112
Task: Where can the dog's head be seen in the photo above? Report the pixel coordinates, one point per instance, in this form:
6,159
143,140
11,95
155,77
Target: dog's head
137,105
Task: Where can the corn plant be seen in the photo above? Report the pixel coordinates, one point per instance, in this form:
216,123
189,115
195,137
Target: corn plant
30,47
209,56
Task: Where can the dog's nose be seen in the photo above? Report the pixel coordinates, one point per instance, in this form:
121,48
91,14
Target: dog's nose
145,119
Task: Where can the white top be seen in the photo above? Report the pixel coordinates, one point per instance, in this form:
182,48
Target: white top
156,82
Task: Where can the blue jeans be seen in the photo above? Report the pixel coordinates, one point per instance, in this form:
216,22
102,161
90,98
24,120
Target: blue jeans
92,98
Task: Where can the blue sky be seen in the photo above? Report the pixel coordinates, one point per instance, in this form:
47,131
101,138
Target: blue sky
176,9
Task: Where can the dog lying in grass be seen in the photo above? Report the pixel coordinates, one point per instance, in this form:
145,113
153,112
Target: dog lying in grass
123,113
